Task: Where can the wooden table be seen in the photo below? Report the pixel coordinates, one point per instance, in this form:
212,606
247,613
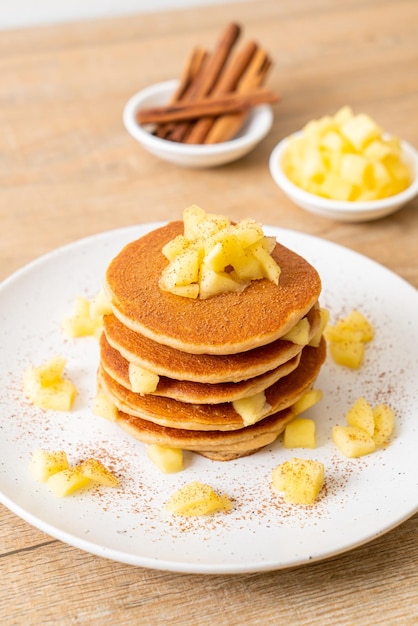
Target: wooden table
69,169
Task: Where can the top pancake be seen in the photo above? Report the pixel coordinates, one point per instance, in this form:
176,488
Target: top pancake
224,324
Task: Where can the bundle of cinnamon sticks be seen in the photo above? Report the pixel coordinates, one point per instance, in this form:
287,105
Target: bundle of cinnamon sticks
215,92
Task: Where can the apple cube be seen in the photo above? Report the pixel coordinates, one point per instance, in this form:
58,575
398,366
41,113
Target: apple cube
196,499
300,480
46,390
313,166
300,332
82,324
168,460
212,283
361,415
176,246
384,423
51,371
358,322
348,353
182,270
94,470
300,433
100,306
67,481
316,339
248,232
308,400
269,267
247,267
223,253
353,441
185,291
355,169
334,186
252,409
142,380
44,464
360,130
343,115
103,407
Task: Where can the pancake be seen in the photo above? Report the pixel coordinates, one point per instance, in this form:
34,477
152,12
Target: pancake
204,368
215,445
117,367
226,324
223,417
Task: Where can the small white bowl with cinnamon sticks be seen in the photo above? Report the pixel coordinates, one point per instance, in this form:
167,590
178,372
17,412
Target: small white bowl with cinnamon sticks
214,114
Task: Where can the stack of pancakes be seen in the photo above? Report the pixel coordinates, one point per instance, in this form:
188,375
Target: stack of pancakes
207,353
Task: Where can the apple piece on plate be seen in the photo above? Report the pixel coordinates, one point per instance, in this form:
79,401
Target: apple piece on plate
45,463
103,407
360,414
353,441
67,481
168,460
195,499
300,480
300,433
96,471
384,423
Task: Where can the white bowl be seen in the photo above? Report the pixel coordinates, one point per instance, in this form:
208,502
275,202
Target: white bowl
341,210
256,127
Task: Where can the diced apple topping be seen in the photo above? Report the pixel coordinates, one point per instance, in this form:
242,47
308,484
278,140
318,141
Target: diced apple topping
309,399
300,433
316,339
299,334
46,388
52,467
300,480
168,460
347,339
142,380
253,408
103,407
87,319
214,256
367,429
196,499
346,157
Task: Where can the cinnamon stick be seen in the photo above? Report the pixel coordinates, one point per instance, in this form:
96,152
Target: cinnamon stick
226,83
226,126
226,103
207,77
190,70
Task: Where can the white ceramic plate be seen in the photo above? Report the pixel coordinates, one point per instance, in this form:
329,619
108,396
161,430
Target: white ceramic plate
362,498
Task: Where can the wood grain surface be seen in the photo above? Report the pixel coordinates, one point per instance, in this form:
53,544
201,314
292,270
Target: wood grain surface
68,169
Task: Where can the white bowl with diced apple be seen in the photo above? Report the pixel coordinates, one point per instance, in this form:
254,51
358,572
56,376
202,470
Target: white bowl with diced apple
254,129
352,210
